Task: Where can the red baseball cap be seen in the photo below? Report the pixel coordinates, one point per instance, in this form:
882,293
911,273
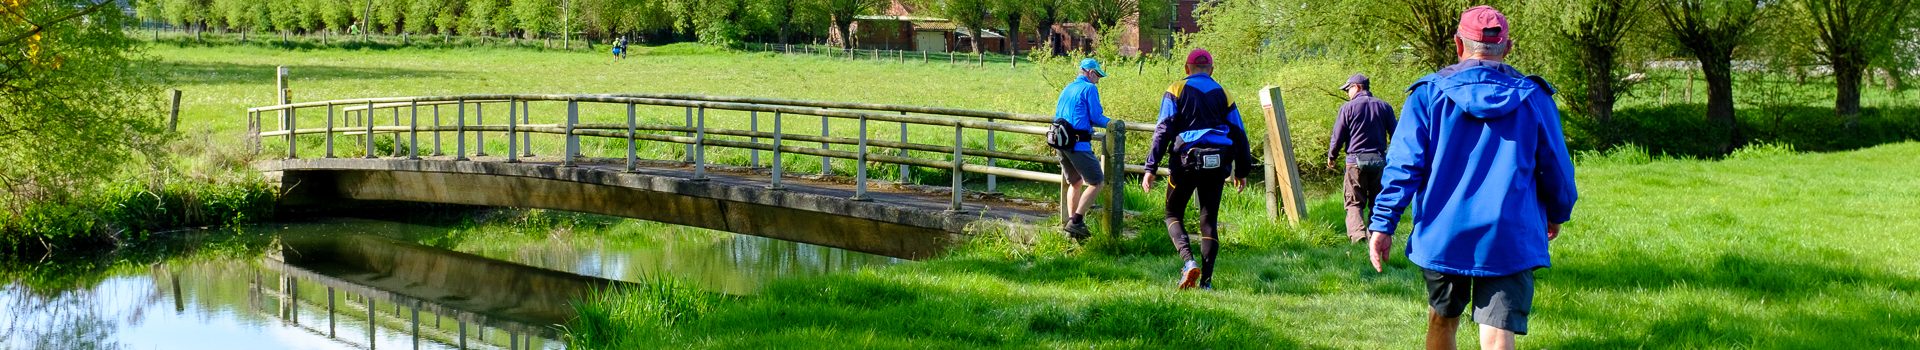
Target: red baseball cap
1483,24
1199,56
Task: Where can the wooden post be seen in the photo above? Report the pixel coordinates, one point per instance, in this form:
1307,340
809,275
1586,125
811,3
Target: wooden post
173,116
573,141
959,162
1116,177
292,127
280,89
1283,185
329,140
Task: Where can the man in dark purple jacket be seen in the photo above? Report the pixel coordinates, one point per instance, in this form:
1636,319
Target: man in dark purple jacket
1361,130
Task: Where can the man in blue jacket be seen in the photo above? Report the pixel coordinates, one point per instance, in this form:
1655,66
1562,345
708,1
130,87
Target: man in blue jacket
1480,156
1079,108
1201,131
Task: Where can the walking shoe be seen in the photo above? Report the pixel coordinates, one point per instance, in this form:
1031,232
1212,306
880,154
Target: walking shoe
1078,231
1189,276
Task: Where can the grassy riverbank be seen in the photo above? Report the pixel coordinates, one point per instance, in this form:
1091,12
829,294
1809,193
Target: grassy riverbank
1767,249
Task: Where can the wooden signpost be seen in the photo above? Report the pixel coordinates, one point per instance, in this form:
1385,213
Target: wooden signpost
1283,173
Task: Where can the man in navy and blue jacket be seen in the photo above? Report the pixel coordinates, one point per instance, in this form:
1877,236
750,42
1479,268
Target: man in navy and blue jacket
1480,156
1201,131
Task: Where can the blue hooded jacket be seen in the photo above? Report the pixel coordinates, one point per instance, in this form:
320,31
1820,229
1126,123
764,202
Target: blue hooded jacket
1480,155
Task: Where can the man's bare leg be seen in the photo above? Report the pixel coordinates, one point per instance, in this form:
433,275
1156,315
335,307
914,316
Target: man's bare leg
1086,198
1440,331
1073,200
1494,338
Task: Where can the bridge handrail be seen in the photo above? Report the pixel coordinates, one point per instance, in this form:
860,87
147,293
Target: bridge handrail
696,138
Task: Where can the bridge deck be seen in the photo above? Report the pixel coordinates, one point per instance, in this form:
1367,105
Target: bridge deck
906,221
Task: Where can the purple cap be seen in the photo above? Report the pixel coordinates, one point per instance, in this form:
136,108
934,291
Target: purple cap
1356,79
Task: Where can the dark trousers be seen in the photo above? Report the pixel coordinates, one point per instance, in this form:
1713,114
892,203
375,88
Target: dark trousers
1362,184
1206,184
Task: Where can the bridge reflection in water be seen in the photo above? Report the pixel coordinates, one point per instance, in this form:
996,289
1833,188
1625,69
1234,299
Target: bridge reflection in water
446,285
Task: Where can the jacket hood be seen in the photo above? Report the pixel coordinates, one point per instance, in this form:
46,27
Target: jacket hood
1485,91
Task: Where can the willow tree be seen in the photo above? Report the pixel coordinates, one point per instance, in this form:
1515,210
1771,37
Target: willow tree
1854,35
970,15
843,12
1710,31
75,107
1590,40
1010,13
1045,14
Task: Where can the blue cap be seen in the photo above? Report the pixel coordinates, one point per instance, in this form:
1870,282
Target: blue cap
1093,65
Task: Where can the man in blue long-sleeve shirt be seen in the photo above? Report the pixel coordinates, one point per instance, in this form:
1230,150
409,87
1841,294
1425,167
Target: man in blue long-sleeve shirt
1079,108
1361,132
1480,155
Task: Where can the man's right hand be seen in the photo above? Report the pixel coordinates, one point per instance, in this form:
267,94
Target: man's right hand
1377,249
1553,231
1146,182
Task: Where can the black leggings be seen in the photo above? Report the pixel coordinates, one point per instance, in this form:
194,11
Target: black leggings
1208,185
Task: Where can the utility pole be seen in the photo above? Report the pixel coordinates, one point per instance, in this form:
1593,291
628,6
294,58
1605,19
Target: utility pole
566,25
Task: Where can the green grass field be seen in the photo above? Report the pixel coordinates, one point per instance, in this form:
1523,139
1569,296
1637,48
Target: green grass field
1762,251
1765,249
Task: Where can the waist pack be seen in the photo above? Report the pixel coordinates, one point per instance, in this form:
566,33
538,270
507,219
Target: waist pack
1061,135
1203,158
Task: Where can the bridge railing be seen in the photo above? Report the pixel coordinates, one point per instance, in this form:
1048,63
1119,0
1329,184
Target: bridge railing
361,118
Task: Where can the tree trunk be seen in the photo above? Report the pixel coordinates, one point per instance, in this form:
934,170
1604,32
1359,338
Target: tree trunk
1895,79
1599,75
1047,37
976,40
1013,35
1846,104
1718,68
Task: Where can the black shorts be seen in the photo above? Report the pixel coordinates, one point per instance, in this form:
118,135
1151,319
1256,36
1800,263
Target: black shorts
1502,302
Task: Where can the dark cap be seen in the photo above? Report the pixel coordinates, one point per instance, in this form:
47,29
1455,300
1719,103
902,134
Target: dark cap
1356,79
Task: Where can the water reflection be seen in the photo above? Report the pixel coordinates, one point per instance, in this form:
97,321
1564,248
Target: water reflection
255,300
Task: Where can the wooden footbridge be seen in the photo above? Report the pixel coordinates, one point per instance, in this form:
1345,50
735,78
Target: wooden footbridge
480,150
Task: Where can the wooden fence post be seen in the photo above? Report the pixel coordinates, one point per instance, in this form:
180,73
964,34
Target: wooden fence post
1116,178
173,115
1283,173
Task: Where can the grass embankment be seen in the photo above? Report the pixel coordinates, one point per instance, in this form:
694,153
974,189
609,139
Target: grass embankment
1766,249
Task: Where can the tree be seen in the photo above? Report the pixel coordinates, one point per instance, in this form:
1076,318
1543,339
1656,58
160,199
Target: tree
782,17
1854,35
970,15
75,103
1589,36
1710,30
1010,13
1046,13
243,16
719,22
843,12
536,17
